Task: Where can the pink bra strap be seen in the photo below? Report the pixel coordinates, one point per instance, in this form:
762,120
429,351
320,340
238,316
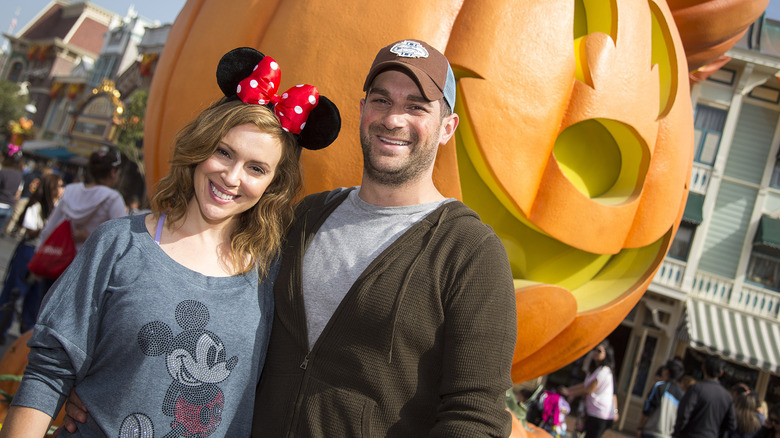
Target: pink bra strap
158,231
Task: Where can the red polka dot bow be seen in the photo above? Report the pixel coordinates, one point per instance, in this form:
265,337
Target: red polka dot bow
292,108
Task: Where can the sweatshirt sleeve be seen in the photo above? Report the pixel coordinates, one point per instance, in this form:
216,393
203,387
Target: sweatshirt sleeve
64,338
480,335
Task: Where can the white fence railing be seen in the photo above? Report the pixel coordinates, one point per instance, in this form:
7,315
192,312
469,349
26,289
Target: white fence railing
670,273
756,300
750,298
700,178
712,288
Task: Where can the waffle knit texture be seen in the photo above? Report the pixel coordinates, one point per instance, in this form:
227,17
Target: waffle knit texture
421,345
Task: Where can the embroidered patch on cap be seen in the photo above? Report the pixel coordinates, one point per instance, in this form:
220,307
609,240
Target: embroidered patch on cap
409,49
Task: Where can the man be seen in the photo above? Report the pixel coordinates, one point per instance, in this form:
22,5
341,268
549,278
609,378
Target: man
660,410
706,409
394,306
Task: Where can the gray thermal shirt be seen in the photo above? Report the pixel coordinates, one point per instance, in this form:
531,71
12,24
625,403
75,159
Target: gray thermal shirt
348,241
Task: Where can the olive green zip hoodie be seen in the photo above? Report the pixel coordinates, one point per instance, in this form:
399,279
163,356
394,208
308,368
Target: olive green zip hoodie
421,345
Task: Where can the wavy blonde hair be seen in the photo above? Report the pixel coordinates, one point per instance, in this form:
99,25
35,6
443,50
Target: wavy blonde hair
260,230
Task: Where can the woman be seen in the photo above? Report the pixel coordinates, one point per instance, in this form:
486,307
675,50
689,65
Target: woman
162,320
87,205
10,182
18,279
771,428
598,389
749,420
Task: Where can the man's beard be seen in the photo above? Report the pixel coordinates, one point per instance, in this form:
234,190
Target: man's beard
418,162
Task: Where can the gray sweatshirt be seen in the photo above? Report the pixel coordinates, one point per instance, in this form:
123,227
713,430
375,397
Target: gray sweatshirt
153,348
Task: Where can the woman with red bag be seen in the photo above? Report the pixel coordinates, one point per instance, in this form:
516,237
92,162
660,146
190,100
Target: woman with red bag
87,205
31,222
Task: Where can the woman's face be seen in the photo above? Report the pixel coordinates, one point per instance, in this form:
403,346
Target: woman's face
599,353
234,178
60,189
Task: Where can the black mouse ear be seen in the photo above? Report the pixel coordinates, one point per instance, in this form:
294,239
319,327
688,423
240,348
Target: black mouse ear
322,126
234,66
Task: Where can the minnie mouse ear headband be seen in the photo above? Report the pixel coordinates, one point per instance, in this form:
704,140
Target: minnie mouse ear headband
248,75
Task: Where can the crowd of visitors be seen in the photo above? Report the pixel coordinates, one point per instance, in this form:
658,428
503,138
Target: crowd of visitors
37,196
677,404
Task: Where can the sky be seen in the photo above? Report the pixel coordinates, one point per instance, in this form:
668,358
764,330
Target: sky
163,10
773,10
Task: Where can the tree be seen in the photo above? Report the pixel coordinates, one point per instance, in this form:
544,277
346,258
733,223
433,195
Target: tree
12,104
130,128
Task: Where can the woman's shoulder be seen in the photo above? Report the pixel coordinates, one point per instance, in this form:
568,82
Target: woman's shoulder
123,226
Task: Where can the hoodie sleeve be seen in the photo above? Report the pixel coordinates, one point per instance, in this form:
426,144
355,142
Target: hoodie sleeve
480,336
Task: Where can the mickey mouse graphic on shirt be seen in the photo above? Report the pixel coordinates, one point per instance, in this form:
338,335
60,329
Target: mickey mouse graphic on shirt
197,362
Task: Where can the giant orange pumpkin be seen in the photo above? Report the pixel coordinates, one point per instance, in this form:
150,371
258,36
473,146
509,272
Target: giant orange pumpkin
574,143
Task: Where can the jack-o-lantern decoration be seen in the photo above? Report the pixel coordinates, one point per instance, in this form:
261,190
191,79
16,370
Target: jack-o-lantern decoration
574,142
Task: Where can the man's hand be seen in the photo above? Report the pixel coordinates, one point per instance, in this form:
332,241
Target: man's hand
75,412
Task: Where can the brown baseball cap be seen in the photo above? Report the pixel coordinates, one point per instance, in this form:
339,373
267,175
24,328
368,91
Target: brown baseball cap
427,66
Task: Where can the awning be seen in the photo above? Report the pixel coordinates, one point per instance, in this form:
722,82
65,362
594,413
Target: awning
693,209
768,233
52,150
744,338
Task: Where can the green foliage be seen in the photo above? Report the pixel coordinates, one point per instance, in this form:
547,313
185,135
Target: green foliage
11,105
130,128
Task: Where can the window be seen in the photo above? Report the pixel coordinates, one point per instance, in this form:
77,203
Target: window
708,128
764,269
681,245
16,72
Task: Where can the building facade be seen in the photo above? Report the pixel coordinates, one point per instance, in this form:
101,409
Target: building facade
718,289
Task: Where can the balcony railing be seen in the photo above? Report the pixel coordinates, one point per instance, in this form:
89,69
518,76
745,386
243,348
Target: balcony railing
757,301
750,298
670,273
712,287
700,178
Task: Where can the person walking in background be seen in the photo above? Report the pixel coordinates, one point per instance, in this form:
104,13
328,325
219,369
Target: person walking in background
87,205
10,182
31,179
660,410
598,388
707,408
749,419
771,427
162,320
31,222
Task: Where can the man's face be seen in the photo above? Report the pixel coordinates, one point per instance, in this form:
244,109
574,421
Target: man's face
400,130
